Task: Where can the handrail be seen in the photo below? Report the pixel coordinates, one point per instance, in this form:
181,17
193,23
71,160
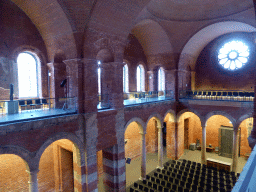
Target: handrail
29,104
145,97
217,95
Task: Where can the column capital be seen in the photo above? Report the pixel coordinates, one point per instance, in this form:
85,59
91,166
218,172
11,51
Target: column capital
86,61
72,61
33,171
143,133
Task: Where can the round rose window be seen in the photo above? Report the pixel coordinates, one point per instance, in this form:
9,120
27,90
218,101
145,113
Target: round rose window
233,55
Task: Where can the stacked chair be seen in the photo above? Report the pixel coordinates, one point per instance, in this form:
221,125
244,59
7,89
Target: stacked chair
186,176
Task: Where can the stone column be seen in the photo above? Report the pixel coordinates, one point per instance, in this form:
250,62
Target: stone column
203,147
160,147
235,149
33,183
193,80
143,156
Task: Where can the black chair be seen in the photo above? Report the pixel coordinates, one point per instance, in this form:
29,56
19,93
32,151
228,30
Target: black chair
44,102
38,102
30,103
22,104
2,107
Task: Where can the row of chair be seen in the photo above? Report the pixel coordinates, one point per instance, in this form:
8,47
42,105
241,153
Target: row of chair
219,95
29,102
183,175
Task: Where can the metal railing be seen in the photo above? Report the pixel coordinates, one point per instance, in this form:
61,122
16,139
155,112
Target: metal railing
103,101
145,97
218,95
28,105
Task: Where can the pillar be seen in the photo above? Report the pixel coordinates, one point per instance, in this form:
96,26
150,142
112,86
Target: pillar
91,140
143,156
235,149
252,137
72,76
112,83
160,147
193,80
33,183
203,147
170,79
170,139
87,86
114,168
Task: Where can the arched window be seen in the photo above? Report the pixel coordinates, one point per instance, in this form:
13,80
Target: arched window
29,75
125,79
161,79
99,78
140,78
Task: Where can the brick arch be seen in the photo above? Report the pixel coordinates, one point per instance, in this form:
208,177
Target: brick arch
139,121
242,118
172,112
56,137
201,118
158,117
196,44
228,116
57,34
24,154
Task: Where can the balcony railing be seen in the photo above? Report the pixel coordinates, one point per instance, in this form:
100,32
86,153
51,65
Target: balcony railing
218,95
103,101
132,98
17,110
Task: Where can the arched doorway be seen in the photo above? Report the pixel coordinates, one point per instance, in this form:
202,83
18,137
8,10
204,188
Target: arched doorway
189,137
60,167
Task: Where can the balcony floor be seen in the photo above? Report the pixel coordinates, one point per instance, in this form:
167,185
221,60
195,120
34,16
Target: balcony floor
145,100
32,115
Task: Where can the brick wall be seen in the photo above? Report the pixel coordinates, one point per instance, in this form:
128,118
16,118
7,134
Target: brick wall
13,174
45,176
152,136
134,143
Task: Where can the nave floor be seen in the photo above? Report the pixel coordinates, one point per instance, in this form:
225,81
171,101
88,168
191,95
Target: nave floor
133,169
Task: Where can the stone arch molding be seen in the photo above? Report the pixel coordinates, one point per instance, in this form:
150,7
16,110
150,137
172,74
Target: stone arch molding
228,116
139,121
202,118
56,137
195,45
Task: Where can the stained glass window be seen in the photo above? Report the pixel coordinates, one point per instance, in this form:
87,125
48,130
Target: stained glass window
233,55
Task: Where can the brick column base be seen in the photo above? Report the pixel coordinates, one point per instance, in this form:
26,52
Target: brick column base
114,168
